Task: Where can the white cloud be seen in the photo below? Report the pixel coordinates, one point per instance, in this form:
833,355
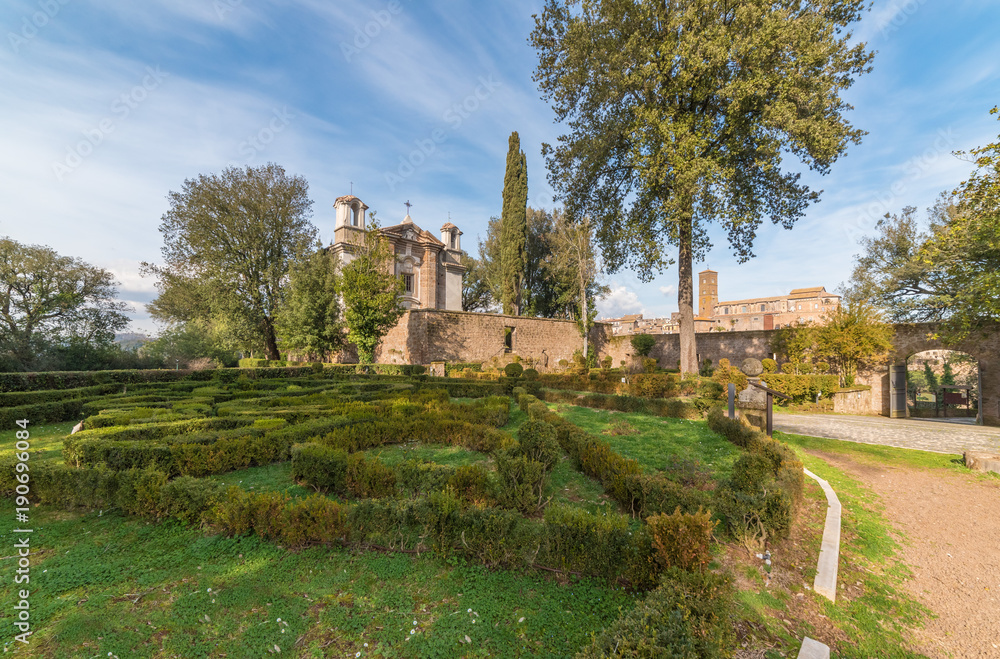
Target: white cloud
620,301
667,290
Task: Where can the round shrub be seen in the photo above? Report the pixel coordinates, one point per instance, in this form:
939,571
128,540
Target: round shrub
418,369
769,365
513,370
724,362
530,374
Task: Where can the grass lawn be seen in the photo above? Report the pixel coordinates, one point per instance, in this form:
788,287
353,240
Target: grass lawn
657,439
46,441
267,478
106,585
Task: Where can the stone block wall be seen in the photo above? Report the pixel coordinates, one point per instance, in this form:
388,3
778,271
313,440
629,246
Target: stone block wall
853,401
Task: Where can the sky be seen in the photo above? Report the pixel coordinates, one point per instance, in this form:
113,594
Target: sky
107,106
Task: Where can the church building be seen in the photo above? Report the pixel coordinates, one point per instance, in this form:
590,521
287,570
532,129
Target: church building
431,268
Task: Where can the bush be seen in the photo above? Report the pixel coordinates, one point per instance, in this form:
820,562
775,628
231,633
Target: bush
472,484
687,617
369,478
188,498
530,374
682,540
513,370
802,387
822,368
642,344
320,467
582,542
770,366
538,443
521,481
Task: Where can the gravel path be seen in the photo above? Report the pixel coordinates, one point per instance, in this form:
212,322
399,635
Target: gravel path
953,438
952,527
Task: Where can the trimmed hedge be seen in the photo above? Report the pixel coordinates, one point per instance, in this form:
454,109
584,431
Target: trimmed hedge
666,407
802,387
688,616
36,413
765,487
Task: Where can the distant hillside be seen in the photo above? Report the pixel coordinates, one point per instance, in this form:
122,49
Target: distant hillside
131,340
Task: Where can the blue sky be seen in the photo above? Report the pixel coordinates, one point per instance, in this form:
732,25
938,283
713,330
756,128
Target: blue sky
109,105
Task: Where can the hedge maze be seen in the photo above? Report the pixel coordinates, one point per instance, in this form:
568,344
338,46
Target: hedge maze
151,446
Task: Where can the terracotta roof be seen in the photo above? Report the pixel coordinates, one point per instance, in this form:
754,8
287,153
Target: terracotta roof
448,226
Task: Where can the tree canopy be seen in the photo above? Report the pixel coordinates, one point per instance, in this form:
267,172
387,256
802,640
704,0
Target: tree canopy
682,113
50,302
229,240
948,273
309,320
371,291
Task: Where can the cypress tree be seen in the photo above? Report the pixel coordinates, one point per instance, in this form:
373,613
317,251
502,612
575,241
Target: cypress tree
513,227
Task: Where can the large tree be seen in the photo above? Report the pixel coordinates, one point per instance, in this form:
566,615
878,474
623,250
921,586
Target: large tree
852,335
371,292
576,264
476,294
681,113
229,240
513,227
948,273
309,320
49,301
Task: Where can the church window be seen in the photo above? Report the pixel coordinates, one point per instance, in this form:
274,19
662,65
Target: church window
453,240
354,215
762,307
508,339
408,282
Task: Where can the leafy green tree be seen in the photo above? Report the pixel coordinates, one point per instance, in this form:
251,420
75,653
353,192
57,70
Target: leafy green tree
576,264
371,292
948,274
683,113
229,240
513,227
181,344
948,375
49,301
642,344
308,321
795,342
476,295
854,334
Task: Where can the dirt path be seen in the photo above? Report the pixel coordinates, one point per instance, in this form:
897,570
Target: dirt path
952,524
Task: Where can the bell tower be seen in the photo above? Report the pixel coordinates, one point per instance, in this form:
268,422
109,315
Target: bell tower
708,293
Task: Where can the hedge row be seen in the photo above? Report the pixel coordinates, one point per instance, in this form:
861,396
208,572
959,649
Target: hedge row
640,493
16,398
54,412
667,407
766,484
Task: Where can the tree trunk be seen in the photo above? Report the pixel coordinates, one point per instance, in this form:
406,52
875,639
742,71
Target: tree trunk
270,340
685,297
586,311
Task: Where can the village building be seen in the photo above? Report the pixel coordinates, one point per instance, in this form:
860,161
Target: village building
431,268
801,305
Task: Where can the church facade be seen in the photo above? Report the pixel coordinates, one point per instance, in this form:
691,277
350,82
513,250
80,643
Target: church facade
431,268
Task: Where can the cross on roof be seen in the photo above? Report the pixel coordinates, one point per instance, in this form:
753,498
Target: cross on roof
407,204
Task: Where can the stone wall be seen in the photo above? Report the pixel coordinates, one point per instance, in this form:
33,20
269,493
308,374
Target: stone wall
427,335
853,401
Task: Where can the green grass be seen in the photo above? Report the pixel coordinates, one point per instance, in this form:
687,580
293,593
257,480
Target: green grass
46,441
113,586
568,486
876,615
658,439
268,478
453,456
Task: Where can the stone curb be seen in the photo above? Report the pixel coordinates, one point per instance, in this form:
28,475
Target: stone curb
812,649
829,554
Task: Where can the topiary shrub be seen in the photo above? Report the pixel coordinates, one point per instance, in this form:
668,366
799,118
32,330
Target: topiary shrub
472,484
188,498
682,540
649,364
321,467
418,369
769,365
513,370
538,443
530,374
